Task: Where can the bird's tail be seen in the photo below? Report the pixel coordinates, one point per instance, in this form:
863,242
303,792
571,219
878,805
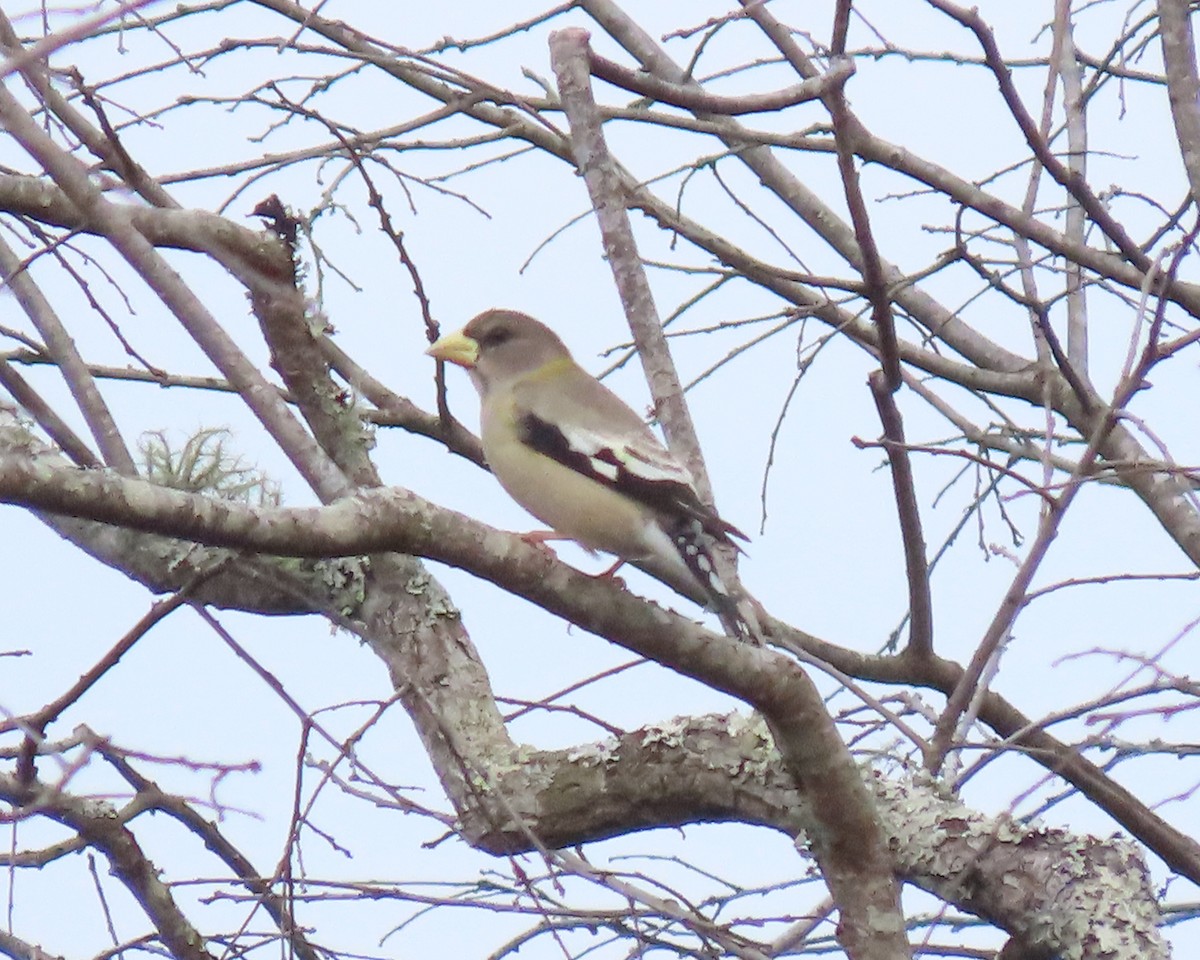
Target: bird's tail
711,580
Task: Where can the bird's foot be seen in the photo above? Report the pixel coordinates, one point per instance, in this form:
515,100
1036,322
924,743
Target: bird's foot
610,573
538,538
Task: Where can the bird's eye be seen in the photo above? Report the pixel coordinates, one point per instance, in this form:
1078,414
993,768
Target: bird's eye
495,337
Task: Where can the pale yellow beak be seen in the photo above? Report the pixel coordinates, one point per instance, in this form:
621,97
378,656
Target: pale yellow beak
457,348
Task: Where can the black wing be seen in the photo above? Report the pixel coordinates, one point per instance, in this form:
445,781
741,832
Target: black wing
644,471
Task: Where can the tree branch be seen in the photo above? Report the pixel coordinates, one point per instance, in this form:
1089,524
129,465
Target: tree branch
702,101
1183,84
569,53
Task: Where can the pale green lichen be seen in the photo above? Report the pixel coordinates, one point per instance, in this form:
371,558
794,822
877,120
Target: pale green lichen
480,783
593,754
757,746
669,732
1093,895
435,602
418,584
346,578
174,554
204,464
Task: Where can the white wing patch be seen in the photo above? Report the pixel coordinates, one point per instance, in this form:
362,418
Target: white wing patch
608,455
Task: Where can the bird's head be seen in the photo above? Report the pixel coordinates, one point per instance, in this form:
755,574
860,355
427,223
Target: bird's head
500,346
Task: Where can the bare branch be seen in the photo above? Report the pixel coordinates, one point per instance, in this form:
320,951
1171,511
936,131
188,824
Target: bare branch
692,99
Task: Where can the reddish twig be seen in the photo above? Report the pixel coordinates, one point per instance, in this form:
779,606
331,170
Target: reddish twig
920,600
1015,597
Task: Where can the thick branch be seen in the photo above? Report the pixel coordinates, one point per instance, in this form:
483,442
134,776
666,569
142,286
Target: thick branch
846,833
1183,84
569,53
846,837
195,230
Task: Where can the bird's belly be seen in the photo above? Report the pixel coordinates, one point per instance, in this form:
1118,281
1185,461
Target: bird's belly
574,505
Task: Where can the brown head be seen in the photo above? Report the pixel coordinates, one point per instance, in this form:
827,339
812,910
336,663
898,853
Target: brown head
499,345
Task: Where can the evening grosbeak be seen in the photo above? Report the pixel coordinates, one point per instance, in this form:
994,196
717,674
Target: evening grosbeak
574,455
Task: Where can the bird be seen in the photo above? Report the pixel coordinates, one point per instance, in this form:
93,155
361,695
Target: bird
579,459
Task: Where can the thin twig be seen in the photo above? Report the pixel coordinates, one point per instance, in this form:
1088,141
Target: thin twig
920,600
